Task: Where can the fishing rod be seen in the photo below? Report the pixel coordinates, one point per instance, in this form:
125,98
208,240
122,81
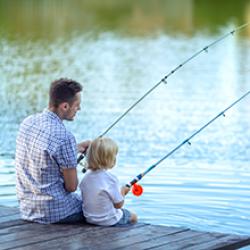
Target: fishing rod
137,189
164,80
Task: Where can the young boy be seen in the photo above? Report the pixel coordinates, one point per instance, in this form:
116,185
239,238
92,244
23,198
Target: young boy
102,197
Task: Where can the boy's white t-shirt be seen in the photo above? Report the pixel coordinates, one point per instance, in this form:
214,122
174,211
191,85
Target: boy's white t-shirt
100,190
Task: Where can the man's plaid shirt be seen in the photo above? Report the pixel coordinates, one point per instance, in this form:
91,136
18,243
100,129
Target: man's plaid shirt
43,148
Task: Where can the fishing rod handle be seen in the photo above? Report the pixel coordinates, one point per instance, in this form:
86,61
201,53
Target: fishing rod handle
81,156
135,180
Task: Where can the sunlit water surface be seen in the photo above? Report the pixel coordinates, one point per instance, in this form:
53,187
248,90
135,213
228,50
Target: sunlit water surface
204,186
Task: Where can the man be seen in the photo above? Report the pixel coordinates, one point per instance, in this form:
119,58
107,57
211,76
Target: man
46,159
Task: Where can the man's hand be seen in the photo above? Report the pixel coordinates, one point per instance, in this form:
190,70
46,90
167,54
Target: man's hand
83,146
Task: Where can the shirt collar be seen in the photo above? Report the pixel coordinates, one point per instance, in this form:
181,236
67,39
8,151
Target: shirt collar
52,115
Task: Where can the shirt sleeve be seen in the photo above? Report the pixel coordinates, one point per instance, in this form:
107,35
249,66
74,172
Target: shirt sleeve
114,190
66,155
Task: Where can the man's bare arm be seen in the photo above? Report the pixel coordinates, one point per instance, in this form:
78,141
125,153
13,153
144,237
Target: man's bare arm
70,179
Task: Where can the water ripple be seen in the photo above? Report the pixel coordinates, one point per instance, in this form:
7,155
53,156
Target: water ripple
204,186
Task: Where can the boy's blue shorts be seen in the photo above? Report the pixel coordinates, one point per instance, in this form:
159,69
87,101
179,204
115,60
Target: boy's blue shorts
126,217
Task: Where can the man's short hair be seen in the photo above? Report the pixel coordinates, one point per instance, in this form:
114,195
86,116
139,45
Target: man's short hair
63,90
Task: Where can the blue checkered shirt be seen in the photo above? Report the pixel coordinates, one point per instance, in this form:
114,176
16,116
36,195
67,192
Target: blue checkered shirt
43,148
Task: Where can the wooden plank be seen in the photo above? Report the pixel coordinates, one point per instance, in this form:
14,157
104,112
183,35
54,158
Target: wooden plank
25,230
121,241
21,235
206,241
110,237
32,233
166,240
69,242
139,238
226,242
12,223
24,236
193,238
10,216
86,236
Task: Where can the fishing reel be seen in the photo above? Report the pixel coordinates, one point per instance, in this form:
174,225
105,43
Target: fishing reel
137,189
81,162
83,166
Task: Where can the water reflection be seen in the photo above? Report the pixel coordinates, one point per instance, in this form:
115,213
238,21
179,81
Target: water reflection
53,19
133,45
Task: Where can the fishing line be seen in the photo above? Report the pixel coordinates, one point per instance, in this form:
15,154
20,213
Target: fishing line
164,79
186,141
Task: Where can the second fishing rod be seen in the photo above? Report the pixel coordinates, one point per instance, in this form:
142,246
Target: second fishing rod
137,189
164,80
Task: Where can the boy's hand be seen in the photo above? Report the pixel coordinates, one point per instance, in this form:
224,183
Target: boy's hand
83,146
124,190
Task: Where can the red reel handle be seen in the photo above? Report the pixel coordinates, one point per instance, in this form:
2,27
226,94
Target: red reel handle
137,190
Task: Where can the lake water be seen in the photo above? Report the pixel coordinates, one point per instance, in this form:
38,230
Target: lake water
119,51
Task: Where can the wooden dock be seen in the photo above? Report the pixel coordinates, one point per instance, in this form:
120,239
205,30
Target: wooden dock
18,234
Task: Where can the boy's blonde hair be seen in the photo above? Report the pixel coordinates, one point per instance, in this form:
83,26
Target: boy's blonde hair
101,153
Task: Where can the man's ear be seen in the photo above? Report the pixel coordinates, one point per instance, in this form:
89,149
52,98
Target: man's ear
64,106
